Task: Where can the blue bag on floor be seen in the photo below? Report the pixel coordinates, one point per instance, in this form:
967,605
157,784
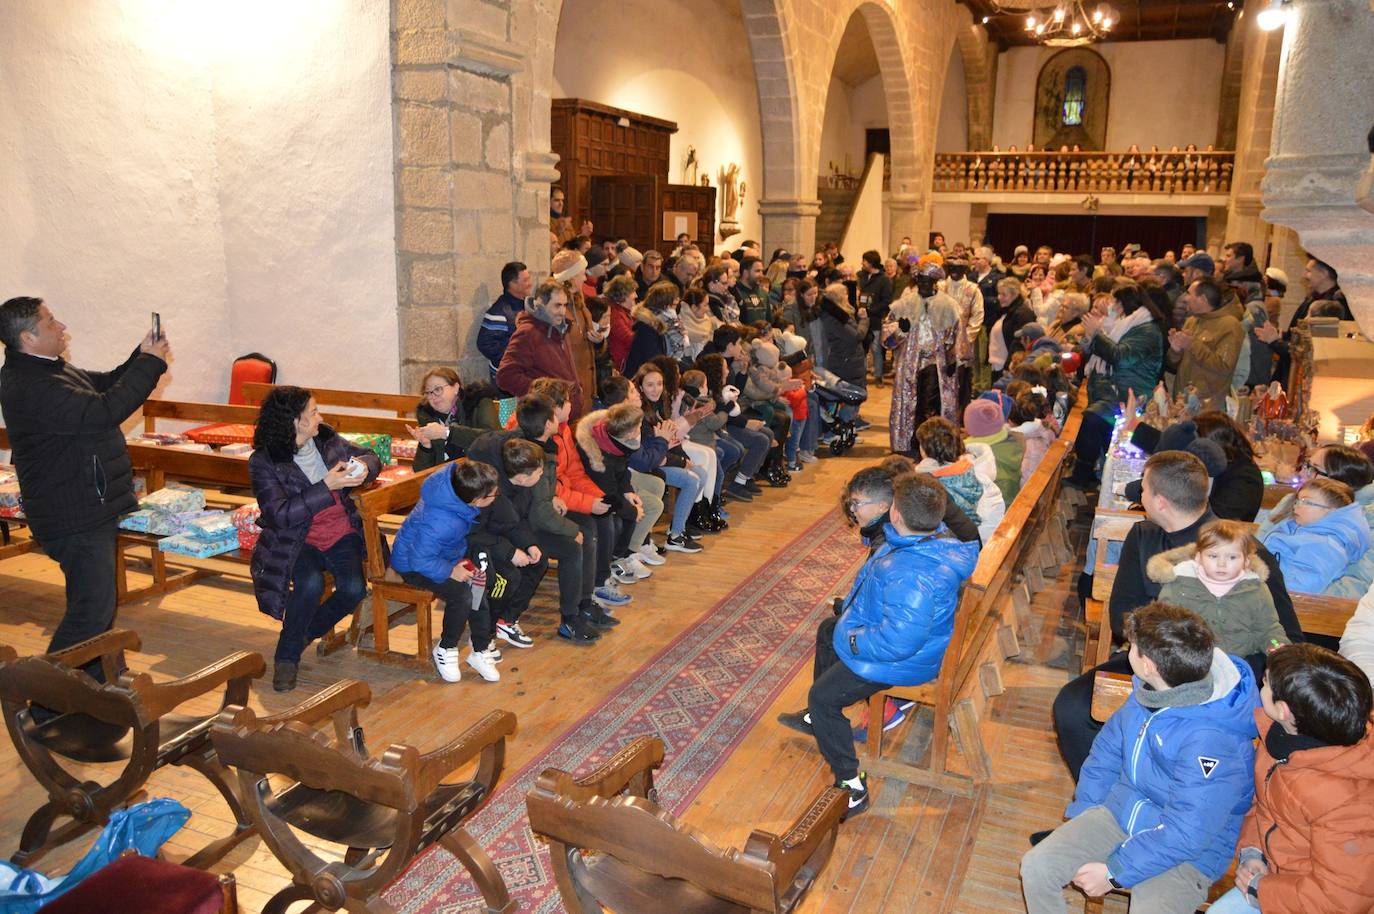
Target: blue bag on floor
142,828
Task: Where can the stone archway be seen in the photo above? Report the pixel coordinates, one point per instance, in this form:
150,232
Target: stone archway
978,54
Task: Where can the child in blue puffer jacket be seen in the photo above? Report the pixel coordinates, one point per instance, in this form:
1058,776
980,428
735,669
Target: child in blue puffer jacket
895,626
1169,780
430,553
1327,533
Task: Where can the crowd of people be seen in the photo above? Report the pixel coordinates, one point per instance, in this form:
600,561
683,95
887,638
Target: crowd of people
642,381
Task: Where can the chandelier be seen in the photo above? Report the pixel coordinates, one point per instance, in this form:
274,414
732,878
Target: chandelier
1067,24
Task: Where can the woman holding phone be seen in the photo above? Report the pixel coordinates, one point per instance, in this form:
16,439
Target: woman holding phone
300,470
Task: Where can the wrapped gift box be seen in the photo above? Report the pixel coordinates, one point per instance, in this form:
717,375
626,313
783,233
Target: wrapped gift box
186,544
213,526
246,517
404,449
248,539
222,433
174,500
236,450
393,474
9,495
137,521
377,444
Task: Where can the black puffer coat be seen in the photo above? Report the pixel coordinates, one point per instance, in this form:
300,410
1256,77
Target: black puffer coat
289,503
69,453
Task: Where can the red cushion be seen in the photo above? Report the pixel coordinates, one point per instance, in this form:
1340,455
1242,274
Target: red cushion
141,885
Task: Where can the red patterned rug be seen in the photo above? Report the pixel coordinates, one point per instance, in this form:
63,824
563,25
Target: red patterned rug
701,695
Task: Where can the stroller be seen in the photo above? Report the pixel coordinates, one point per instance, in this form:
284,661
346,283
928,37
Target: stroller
835,394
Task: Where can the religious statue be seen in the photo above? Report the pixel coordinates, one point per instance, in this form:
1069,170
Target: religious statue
705,180
689,168
732,194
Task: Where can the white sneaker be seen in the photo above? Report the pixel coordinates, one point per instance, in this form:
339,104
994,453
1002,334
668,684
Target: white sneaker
635,563
484,665
494,653
648,553
446,662
622,573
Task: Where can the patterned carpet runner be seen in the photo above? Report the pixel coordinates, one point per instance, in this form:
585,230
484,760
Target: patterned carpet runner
701,695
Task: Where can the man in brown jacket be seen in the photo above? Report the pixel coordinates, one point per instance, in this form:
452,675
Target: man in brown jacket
1204,352
540,347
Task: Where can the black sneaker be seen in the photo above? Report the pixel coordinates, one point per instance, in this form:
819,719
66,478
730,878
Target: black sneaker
284,676
513,634
858,797
738,492
754,488
599,618
1037,837
579,631
682,543
862,425
797,720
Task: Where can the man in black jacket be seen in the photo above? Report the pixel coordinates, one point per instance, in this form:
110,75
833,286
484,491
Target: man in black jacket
75,476
875,294
1174,495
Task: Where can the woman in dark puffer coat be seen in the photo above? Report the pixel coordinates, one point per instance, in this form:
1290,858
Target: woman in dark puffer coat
300,471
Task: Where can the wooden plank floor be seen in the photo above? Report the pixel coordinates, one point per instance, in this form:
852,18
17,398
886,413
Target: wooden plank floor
917,851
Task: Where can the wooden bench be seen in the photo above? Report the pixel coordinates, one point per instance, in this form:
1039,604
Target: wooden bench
403,405
204,413
1109,527
1030,540
611,844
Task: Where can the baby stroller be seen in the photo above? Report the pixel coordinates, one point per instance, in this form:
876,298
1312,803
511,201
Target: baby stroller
835,395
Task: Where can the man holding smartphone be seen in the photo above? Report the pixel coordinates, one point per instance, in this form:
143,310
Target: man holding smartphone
75,476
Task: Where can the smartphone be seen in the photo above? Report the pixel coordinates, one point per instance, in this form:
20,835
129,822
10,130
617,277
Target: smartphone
157,326
356,468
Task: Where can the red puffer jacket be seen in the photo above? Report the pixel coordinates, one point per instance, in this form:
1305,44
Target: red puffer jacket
575,487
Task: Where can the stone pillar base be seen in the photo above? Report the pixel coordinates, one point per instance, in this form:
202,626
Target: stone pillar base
789,224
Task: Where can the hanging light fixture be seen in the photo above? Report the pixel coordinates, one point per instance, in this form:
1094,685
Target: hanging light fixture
1273,16
1070,23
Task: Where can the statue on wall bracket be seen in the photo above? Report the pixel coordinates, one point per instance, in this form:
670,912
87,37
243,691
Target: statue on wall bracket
731,196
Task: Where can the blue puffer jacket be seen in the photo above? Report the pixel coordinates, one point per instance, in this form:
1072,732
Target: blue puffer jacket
899,616
1179,781
1314,556
1356,577
434,537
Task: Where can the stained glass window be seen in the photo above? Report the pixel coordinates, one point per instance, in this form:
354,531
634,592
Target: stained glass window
1075,84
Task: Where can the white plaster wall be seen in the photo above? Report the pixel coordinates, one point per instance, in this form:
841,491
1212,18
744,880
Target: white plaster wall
867,110
951,134
687,63
952,219
867,226
228,165
1164,93
849,112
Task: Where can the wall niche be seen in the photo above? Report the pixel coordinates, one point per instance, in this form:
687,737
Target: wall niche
1071,100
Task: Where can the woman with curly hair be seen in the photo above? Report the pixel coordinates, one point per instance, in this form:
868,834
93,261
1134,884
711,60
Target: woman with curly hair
299,471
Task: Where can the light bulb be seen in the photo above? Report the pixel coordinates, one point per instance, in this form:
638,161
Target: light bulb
1040,29
1077,28
985,20
1272,16
1097,15
1030,22
1107,22
1059,14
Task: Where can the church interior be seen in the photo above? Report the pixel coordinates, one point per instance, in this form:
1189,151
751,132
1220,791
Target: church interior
332,201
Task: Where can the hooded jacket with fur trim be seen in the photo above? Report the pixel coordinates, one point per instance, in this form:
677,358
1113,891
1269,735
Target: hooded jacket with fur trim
607,461
1243,619
648,339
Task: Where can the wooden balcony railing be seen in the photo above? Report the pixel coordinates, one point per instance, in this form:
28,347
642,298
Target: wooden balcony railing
1079,172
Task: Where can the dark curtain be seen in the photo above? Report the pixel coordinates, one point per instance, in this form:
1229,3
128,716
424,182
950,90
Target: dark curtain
1087,234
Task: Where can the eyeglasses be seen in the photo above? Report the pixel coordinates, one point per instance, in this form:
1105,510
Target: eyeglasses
1314,504
856,504
1315,470
435,391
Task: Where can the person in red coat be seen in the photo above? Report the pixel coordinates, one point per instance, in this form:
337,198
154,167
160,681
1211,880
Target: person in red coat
623,296
540,347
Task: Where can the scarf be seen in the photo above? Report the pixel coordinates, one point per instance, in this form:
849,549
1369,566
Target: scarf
1214,587
1119,328
1180,696
698,331
1282,744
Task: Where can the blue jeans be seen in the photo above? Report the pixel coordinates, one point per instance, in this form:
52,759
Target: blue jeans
811,431
1233,902
794,439
689,486
755,444
306,617
879,360
729,453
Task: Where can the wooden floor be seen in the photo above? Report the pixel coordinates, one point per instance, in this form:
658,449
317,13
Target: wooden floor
917,850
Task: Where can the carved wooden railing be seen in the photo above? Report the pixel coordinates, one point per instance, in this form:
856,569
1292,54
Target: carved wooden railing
1085,172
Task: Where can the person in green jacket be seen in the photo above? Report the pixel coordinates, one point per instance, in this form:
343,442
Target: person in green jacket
986,424
1125,354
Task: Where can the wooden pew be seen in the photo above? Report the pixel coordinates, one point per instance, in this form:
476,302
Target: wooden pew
985,633
1109,527
206,413
403,405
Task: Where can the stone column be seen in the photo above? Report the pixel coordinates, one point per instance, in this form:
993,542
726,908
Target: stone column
789,224
470,194
907,214
1319,151
1252,134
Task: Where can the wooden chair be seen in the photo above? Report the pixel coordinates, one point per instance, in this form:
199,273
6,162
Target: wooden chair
127,718
612,845
383,810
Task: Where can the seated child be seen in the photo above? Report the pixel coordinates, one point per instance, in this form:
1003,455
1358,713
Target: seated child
1312,824
649,488
893,628
1161,797
968,478
984,422
1221,578
1327,532
707,431
1030,414
431,552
